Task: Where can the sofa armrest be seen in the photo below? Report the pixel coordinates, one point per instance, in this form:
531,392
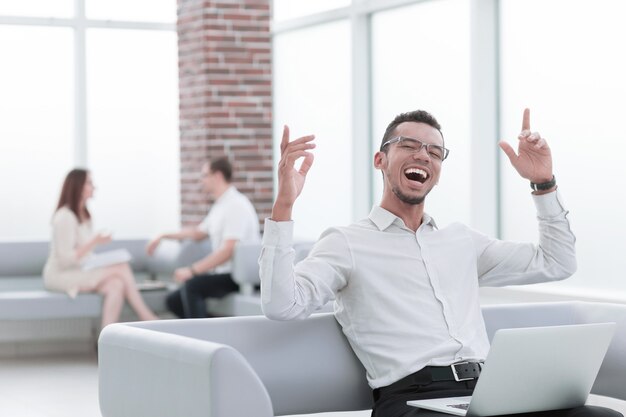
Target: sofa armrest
143,372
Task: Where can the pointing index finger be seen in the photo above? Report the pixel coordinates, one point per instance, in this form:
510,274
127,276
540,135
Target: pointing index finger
285,140
526,120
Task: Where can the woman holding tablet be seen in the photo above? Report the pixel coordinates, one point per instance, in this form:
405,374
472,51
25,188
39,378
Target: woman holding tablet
73,240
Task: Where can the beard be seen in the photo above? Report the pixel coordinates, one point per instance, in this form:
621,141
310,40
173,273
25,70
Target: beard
408,199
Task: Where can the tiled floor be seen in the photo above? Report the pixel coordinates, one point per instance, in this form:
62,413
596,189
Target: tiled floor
67,386
58,386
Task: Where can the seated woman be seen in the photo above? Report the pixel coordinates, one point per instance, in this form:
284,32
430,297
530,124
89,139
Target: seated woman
73,240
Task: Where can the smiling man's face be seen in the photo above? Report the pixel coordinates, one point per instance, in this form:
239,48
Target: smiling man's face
408,174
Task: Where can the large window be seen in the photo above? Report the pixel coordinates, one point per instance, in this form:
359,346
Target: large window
132,10
38,8
133,146
94,87
572,78
420,60
475,65
36,131
312,96
289,9
343,70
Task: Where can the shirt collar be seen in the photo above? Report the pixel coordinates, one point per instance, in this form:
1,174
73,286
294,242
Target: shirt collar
229,191
383,218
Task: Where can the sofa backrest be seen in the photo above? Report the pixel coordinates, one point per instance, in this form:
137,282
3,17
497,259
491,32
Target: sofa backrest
612,375
170,255
22,258
245,269
307,366
510,316
137,249
246,260
610,380
27,258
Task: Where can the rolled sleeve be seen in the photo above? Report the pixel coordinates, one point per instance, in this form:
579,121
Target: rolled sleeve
514,263
549,205
276,269
278,234
294,293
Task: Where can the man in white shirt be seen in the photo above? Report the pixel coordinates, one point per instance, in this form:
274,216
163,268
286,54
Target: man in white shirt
232,219
405,291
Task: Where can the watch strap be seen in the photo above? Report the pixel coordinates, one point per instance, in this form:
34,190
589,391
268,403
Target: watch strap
544,185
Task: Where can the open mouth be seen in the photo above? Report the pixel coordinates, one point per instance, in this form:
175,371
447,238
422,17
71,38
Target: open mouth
416,174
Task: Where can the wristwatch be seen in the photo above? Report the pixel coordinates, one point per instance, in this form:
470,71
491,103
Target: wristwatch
544,185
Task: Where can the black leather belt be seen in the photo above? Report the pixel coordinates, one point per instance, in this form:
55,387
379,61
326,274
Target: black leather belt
462,371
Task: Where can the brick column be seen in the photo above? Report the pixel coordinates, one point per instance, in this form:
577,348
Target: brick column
224,50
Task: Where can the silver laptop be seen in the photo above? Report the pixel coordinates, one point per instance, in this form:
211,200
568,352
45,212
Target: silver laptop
533,369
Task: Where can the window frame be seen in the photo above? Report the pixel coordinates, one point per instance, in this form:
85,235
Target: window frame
484,99
79,23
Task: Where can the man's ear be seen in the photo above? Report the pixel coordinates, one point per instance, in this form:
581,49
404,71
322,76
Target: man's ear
379,159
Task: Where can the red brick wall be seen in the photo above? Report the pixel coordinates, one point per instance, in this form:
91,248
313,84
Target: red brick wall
224,50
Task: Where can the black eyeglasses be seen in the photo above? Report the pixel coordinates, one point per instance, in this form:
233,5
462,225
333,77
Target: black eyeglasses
414,146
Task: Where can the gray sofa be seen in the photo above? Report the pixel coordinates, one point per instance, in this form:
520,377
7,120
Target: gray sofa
251,366
23,296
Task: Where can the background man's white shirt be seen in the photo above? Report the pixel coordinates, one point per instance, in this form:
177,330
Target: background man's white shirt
231,217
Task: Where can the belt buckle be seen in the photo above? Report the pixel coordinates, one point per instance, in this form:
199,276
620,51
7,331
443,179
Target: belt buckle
455,373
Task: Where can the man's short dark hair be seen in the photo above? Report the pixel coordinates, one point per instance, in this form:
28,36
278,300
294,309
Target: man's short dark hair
222,165
419,116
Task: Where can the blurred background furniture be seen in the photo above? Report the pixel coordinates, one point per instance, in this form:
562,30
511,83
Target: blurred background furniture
245,272
46,321
30,313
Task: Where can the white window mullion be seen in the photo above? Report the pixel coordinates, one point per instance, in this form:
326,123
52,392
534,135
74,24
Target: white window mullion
484,81
80,86
361,115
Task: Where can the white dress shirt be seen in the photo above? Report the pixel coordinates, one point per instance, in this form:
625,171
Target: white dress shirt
408,299
232,217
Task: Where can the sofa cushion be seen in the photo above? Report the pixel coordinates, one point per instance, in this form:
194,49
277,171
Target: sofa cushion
25,298
41,304
27,259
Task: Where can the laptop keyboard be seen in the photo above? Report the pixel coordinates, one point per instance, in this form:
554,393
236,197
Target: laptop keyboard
461,406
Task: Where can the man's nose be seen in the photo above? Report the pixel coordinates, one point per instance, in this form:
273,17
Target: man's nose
422,154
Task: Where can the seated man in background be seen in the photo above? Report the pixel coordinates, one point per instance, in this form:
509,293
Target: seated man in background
231,219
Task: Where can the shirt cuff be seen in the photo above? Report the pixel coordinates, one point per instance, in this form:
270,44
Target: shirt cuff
278,234
549,205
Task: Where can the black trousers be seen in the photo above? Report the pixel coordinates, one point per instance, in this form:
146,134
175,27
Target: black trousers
391,401
189,301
